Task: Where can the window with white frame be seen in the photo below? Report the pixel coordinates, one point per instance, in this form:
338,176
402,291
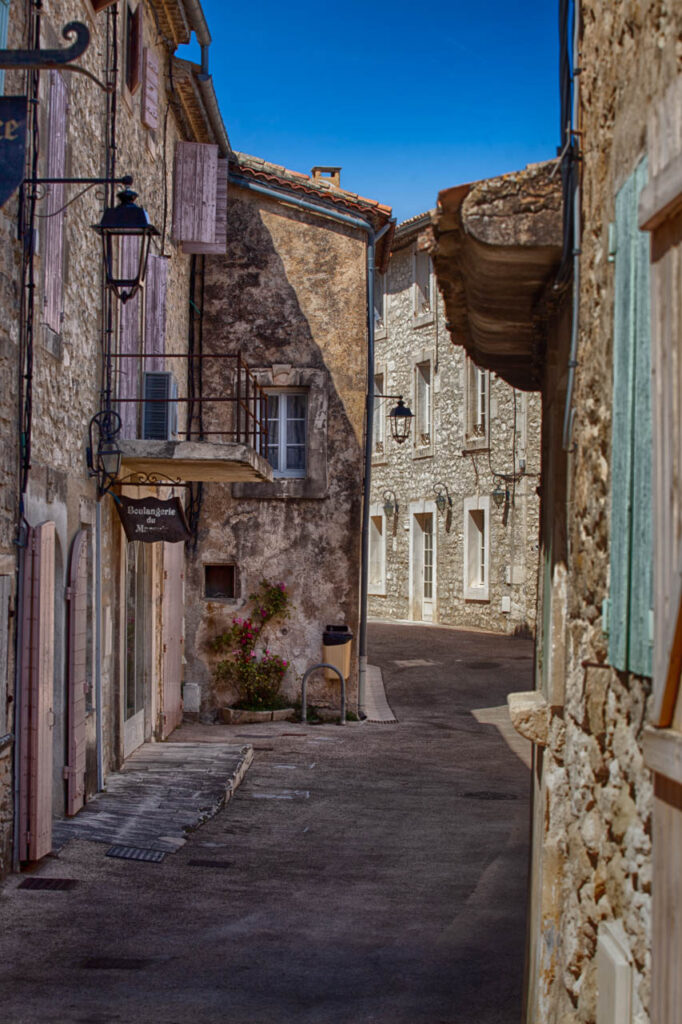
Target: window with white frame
287,432
477,404
422,394
422,284
476,548
378,423
377,554
380,304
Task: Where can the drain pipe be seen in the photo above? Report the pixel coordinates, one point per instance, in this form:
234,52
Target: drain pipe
98,647
372,239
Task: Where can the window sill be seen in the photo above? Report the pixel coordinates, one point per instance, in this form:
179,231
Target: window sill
663,752
475,594
422,453
422,321
472,444
376,593
381,335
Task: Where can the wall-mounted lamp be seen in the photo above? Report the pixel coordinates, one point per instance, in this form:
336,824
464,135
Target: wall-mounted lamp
500,495
390,503
401,417
126,220
443,501
104,455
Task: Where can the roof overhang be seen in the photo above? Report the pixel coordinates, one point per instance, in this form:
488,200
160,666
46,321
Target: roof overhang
497,251
190,461
194,94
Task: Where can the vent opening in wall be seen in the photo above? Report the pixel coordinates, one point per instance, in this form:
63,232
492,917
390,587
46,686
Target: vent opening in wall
220,581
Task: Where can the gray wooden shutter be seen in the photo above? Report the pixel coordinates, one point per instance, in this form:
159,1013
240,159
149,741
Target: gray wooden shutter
129,325
77,597
631,549
150,89
155,312
195,192
219,246
5,591
54,219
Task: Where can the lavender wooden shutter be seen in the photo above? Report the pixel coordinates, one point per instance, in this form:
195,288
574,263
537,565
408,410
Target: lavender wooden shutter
77,596
54,221
5,591
150,89
219,246
37,679
129,369
172,635
155,312
195,192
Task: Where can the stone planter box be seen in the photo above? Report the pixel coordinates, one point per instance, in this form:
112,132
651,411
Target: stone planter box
235,716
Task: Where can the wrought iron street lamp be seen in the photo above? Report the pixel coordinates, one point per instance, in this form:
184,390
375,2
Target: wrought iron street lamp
401,417
125,270
390,503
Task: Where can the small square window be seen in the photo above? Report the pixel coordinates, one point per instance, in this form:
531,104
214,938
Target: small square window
220,581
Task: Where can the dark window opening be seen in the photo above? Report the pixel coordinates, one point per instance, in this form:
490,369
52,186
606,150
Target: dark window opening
220,581
133,50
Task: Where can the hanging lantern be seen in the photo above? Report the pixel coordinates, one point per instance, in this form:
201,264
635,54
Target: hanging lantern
401,420
126,233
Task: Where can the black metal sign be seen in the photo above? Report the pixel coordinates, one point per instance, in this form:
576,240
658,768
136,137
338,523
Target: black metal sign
12,144
152,519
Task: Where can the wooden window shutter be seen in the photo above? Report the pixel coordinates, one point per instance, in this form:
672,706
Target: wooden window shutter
129,333
77,675
134,48
5,591
631,548
4,21
150,89
54,215
100,5
195,192
219,246
155,312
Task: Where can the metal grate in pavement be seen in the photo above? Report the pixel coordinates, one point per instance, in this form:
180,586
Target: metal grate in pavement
49,884
135,853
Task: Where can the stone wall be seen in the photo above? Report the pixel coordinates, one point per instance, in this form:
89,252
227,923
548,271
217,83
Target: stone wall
464,463
593,809
290,294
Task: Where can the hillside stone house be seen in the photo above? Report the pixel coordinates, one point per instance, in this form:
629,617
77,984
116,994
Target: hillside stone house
590,316
454,515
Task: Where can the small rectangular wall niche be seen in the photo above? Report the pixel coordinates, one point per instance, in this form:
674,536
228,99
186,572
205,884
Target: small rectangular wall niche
220,581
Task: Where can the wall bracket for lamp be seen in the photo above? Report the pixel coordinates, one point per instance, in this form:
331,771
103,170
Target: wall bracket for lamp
14,60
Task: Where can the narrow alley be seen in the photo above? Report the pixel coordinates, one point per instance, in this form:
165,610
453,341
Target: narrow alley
372,873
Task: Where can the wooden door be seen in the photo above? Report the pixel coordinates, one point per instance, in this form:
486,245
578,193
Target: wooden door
77,600
172,612
37,681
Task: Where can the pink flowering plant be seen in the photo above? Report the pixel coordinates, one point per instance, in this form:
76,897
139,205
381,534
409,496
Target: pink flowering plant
256,676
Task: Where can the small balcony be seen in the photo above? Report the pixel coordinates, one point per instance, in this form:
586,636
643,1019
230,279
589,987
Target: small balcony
190,418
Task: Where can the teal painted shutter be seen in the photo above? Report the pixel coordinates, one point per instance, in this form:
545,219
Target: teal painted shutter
4,20
621,427
631,453
642,550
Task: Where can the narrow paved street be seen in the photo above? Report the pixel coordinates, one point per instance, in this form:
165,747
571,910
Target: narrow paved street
375,873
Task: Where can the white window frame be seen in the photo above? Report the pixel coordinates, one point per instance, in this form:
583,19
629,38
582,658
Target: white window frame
379,418
422,508
422,440
283,394
422,310
477,391
377,515
476,551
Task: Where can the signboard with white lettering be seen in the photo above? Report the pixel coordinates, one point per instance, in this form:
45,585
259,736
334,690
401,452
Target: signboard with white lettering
153,519
12,144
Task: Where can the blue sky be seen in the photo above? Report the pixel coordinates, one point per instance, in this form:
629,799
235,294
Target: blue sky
407,98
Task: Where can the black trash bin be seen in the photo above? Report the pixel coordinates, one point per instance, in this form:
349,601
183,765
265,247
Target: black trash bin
336,646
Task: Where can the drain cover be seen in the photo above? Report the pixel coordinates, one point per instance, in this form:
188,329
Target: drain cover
135,853
198,863
115,963
53,884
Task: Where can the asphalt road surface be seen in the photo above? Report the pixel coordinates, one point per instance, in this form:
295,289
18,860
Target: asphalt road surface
372,874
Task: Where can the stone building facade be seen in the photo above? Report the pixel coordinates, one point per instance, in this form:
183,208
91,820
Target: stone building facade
89,614
604,938
455,510
291,292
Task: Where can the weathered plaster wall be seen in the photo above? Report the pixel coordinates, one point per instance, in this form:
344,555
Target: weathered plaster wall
412,471
595,820
290,294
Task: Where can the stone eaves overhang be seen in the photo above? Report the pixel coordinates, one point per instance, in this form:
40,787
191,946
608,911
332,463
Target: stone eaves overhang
497,250
322,192
177,19
192,461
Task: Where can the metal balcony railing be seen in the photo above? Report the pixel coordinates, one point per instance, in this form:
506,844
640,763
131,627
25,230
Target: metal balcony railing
223,400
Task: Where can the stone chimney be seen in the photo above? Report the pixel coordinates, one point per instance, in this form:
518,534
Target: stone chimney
332,175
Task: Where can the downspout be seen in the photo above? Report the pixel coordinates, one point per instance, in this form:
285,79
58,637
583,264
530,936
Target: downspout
569,411
98,646
372,239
